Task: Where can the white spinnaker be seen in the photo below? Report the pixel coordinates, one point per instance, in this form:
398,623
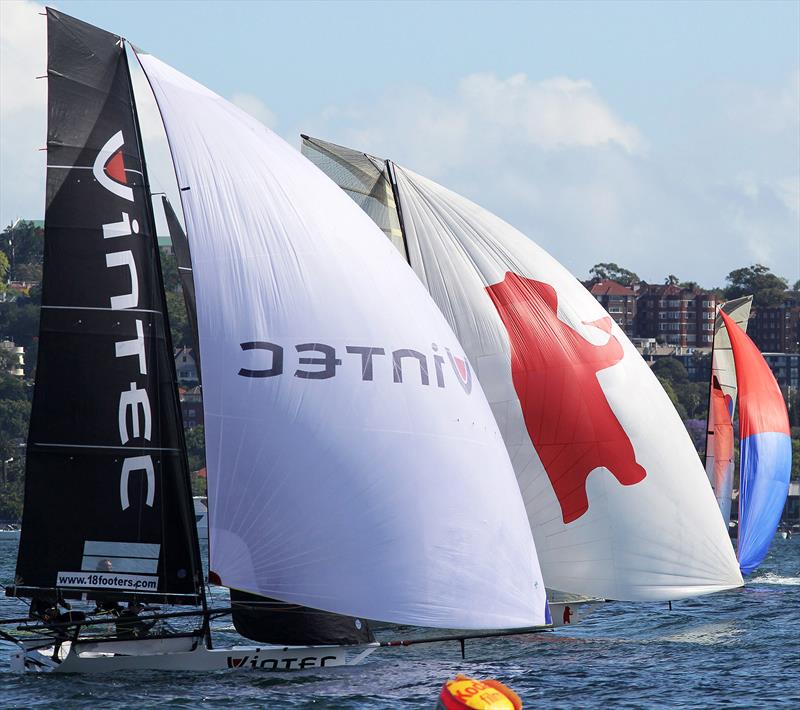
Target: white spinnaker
357,495
724,369
661,538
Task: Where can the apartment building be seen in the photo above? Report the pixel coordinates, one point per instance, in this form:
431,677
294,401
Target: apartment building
675,315
777,329
619,301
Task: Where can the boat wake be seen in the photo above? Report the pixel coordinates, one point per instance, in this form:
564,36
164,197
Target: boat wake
770,578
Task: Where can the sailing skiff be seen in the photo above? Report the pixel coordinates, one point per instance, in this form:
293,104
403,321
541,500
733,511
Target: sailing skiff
355,470
739,368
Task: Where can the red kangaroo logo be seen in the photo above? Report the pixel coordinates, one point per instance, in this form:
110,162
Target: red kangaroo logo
554,370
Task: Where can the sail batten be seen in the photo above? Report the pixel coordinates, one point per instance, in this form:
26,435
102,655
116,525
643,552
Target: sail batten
615,495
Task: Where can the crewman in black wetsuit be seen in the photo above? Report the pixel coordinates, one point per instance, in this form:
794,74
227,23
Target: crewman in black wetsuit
45,609
129,625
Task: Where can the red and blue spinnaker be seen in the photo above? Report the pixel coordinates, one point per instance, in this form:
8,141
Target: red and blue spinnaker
766,449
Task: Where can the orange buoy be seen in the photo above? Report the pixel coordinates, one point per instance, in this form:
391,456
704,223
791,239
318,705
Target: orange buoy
462,693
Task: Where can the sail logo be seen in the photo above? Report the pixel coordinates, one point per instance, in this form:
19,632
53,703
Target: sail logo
109,168
462,370
407,364
134,414
282,663
554,371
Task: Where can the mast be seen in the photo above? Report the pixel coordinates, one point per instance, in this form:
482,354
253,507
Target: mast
709,430
398,207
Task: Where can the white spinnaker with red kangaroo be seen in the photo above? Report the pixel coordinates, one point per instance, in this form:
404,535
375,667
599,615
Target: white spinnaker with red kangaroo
616,496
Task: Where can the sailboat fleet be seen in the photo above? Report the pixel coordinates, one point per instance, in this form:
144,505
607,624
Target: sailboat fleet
448,445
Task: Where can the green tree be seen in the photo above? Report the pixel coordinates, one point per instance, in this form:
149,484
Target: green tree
4,266
169,270
196,448
11,387
178,321
796,286
14,416
767,288
667,385
690,285
690,398
614,272
19,320
672,280
28,272
672,369
22,244
694,398
11,495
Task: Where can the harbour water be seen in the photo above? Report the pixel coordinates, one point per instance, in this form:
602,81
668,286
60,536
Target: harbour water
738,649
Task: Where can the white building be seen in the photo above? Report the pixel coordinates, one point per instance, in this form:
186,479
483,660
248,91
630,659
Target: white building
17,357
186,368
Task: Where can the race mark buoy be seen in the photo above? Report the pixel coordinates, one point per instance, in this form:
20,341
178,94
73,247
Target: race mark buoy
462,693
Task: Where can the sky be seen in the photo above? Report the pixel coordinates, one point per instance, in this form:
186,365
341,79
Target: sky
663,136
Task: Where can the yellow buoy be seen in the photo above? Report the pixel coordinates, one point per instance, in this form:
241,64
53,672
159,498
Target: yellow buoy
462,692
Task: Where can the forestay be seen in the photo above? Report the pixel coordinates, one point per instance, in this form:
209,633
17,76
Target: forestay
353,462
616,496
722,401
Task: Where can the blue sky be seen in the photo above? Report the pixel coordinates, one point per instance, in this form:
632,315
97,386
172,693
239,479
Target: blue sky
663,136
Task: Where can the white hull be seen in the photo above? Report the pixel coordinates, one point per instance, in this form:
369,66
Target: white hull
181,655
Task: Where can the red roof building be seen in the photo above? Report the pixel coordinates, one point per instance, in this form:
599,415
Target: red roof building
619,301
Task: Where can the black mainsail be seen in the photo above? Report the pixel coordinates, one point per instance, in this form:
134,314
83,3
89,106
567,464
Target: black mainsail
108,508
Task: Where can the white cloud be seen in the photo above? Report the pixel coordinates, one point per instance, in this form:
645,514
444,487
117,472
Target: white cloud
256,108
557,161
553,113
788,191
484,114
23,56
